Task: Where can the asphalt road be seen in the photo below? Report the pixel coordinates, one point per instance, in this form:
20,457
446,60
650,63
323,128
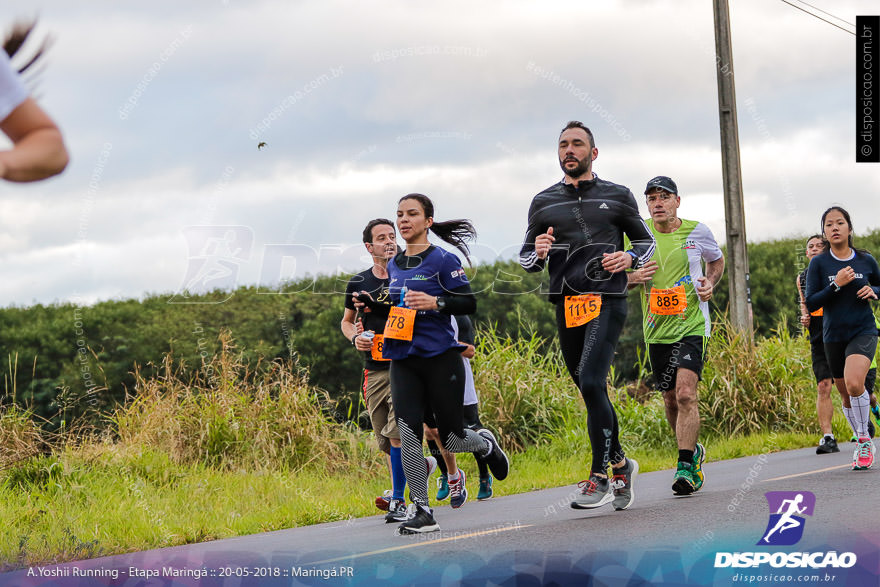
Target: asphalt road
537,539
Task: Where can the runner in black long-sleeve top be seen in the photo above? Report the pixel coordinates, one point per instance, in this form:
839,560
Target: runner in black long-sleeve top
576,227
842,281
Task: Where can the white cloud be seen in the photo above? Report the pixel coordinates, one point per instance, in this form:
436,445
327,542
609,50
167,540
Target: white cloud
436,98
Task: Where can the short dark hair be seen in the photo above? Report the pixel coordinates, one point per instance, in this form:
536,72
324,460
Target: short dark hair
818,236
579,124
368,231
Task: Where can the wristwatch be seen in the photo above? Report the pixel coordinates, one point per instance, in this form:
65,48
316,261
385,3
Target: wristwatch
441,303
834,286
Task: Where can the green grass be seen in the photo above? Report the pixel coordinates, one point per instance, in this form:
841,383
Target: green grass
114,504
73,506
234,451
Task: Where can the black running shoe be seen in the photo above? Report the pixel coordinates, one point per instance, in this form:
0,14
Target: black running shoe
423,521
397,511
827,445
497,461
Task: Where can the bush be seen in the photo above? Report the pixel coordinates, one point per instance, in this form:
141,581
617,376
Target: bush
229,416
525,393
642,424
765,387
39,473
20,436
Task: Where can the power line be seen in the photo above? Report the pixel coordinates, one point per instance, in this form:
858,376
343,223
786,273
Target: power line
825,12
820,18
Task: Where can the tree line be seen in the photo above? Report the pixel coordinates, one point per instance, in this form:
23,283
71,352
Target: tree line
66,361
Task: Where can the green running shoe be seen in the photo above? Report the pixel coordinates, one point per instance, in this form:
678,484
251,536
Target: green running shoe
442,487
485,488
684,482
699,457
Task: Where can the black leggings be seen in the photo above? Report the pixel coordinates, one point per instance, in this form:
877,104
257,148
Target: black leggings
435,383
588,351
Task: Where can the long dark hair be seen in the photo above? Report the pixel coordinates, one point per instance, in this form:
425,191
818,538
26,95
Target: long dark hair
455,232
15,38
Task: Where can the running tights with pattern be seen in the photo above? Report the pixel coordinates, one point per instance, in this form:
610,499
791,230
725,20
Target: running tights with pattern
436,383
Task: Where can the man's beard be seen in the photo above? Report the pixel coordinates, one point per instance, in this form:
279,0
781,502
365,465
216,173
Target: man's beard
583,167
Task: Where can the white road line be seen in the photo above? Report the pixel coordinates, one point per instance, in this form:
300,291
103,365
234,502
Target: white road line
807,473
437,541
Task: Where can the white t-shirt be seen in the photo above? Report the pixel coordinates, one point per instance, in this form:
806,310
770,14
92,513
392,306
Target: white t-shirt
12,90
470,389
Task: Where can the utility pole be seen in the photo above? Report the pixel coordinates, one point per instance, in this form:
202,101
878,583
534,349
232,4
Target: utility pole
734,215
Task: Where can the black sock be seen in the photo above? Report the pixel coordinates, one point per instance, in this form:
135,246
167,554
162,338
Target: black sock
686,456
435,452
481,464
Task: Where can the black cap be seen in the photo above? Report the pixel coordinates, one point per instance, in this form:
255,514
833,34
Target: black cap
662,182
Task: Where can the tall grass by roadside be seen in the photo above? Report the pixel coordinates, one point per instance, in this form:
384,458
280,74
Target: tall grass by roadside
767,387
21,437
232,450
524,392
229,416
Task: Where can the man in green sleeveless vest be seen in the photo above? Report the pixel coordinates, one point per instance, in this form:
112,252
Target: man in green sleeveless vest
675,292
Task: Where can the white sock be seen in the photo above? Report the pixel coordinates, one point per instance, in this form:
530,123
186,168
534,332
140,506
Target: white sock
847,412
451,479
861,410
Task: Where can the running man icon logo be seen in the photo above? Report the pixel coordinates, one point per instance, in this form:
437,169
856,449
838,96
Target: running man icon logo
215,254
786,526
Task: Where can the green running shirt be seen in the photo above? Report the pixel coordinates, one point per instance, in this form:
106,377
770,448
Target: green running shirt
678,255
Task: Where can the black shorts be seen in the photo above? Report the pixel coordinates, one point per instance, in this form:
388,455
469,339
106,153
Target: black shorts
666,358
870,379
820,362
837,352
472,417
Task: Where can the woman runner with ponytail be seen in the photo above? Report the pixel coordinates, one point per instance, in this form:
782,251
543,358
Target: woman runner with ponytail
427,373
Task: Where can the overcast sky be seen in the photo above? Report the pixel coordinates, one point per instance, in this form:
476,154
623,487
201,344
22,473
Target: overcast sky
163,105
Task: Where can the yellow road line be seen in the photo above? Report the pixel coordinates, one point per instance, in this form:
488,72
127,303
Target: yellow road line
405,546
807,473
